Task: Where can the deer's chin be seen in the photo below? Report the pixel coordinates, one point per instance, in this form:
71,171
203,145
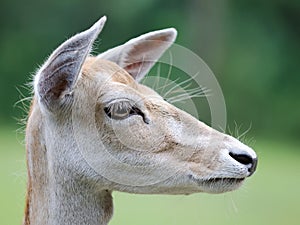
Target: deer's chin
219,184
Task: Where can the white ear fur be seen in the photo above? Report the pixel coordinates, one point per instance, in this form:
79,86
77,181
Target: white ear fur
138,55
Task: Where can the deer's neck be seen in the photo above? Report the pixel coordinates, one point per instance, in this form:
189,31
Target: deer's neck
55,195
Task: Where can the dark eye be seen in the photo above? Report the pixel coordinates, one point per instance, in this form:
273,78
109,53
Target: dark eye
123,110
117,113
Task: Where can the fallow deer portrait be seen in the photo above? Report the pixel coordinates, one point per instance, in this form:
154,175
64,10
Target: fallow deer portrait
93,128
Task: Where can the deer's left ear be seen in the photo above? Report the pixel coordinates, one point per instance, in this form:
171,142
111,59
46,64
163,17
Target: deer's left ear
138,55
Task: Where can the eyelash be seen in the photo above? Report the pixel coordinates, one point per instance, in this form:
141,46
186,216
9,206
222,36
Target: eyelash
122,110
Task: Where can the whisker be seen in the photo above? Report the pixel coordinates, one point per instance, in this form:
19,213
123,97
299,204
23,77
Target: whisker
193,92
170,69
181,84
188,94
165,86
245,132
140,68
241,136
156,81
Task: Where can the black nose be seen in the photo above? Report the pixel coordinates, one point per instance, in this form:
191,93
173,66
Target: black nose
246,160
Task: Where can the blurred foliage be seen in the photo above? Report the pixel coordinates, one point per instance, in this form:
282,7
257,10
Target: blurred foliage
253,47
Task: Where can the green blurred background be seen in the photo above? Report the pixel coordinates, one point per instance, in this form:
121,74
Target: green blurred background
253,48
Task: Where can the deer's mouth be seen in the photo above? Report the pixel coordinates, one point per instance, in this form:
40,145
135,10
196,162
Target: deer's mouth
223,181
218,184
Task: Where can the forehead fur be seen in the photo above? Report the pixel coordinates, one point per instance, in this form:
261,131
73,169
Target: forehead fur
93,66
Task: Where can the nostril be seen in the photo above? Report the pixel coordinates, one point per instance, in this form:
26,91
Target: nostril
242,158
253,166
246,160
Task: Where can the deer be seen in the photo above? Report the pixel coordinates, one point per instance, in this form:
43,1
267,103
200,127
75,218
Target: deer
92,129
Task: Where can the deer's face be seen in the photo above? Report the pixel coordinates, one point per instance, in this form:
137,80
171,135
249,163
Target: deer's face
146,144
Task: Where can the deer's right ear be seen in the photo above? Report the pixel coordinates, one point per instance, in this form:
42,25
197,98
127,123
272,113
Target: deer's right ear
138,55
56,78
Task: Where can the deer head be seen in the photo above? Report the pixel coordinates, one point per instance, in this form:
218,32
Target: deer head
101,126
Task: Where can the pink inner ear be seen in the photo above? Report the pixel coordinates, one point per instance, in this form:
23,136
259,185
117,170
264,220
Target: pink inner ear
133,66
141,56
137,69
164,37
